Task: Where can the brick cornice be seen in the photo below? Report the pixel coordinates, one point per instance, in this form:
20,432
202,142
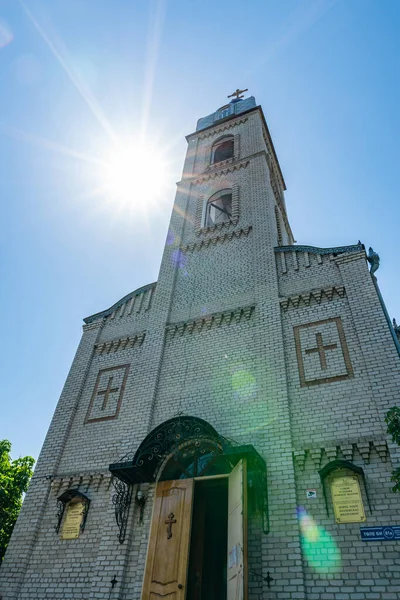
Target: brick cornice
211,320
356,249
305,298
197,179
211,241
124,343
346,448
82,481
223,128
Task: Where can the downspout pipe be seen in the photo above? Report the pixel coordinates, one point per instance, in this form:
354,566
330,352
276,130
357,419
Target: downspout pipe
373,259
385,312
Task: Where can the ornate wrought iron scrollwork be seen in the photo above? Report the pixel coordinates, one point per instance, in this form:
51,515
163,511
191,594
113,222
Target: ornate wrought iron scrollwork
186,447
60,514
169,438
84,514
122,501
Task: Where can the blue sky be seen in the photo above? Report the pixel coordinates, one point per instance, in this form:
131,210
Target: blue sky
76,75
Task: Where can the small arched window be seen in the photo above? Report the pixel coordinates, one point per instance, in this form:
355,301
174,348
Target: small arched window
222,150
219,208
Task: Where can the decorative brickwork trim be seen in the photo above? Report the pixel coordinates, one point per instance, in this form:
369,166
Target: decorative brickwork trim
316,455
220,172
219,238
381,448
209,321
236,148
278,225
221,164
235,203
224,128
275,171
129,297
347,449
82,481
305,299
218,227
365,450
331,453
199,215
315,250
120,344
299,457
274,175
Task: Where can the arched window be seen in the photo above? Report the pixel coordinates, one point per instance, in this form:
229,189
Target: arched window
195,458
219,208
222,149
224,112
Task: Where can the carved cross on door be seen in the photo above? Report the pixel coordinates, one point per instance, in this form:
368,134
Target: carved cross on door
169,522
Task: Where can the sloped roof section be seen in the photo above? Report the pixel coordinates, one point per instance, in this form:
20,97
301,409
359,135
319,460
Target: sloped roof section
129,299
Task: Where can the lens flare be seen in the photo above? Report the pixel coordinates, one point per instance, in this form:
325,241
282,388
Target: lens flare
244,384
319,547
179,259
6,36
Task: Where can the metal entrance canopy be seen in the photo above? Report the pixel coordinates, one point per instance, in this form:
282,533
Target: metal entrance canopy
185,447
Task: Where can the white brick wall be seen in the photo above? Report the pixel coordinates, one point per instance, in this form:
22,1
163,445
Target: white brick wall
203,354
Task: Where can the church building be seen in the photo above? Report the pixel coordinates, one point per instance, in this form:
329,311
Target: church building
221,433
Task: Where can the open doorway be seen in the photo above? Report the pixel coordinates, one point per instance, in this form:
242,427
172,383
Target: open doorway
207,574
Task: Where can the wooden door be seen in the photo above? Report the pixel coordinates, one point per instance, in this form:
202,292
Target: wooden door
168,550
237,533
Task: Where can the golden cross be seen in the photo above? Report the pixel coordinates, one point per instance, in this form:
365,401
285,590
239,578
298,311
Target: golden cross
238,92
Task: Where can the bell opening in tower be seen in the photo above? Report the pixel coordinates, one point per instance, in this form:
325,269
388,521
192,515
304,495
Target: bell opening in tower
207,574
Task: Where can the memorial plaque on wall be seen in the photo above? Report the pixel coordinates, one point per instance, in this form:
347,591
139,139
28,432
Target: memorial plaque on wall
73,520
347,500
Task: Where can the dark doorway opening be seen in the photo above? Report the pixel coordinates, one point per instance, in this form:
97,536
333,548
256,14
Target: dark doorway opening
208,545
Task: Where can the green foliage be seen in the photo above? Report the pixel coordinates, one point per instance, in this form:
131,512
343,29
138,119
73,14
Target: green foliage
14,480
393,422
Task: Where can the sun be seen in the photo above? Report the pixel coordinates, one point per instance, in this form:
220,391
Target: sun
134,174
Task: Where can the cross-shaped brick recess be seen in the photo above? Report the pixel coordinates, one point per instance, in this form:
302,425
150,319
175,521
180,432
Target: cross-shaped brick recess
321,350
106,398
109,390
334,357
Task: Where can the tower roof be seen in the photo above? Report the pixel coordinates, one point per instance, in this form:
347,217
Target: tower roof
235,107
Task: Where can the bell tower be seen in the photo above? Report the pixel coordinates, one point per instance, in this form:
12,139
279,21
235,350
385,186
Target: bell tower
218,298
229,213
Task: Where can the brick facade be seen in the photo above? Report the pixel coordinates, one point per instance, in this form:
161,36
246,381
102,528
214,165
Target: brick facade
283,347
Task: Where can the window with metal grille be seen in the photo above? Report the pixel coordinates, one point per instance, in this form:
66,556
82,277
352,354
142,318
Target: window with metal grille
219,208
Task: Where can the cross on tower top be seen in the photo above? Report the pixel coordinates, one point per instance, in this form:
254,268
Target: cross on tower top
238,93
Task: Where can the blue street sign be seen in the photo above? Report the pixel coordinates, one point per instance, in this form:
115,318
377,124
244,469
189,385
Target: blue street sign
378,534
